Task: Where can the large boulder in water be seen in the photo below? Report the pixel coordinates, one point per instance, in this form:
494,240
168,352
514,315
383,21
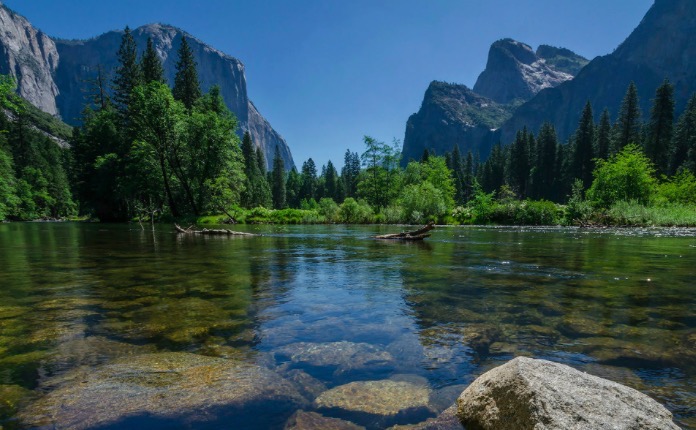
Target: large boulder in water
537,394
166,390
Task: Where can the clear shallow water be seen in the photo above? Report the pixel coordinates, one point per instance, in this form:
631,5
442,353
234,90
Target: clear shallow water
616,303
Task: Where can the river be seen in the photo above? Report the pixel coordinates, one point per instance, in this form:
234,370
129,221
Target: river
327,306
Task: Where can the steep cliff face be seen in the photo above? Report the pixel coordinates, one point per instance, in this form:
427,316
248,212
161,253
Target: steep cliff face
450,115
662,46
515,72
79,62
55,75
30,57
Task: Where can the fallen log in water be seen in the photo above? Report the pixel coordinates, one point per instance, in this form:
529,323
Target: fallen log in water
419,234
219,232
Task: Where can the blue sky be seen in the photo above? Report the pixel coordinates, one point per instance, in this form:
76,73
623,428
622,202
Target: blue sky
325,73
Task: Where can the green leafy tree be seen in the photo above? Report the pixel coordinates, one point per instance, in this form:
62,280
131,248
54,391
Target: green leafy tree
8,183
379,181
159,122
626,176
659,139
186,86
278,181
257,190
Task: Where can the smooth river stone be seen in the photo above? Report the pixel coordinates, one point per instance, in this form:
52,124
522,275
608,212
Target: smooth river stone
385,400
302,420
166,389
343,356
525,393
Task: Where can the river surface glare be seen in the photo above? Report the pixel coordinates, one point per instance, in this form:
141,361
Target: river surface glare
326,320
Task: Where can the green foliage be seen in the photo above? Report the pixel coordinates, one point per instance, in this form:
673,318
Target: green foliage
8,184
329,209
423,202
627,129
151,64
659,134
680,188
482,206
624,177
578,209
379,182
278,181
355,212
632,213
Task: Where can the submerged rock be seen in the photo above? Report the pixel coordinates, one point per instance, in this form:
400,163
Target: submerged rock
302,420
386,402
526,393
447,420
163,389
339,357
11,396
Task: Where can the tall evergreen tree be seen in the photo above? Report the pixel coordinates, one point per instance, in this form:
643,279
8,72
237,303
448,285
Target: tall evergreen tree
257,191
128,72
308,188
684,142
493,171
628,124
583,155
468,180
603,136
186,86
659,139
330,179
545,171
350,173
454,163
292,188
278,180
518,163
151,64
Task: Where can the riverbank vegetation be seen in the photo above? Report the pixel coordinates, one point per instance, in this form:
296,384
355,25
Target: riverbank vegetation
147,151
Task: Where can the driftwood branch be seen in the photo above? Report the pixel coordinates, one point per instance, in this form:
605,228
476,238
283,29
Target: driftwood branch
419,234
212,232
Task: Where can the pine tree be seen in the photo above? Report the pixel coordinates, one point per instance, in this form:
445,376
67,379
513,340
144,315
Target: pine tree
151,64
628,125
684,142
261,160
186,86
658,142
468,180
518,163
128,72
278,180
583,156
292,188
455,164
545,163
308,188
330,176
350,173
603,136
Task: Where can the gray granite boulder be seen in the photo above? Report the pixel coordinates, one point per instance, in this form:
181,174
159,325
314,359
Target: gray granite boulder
526,393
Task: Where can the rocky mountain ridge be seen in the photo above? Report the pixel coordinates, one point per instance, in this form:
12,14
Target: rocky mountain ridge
453,114
54,74
662,46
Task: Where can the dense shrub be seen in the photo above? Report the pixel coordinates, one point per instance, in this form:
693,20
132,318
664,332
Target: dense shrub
626,176
354,212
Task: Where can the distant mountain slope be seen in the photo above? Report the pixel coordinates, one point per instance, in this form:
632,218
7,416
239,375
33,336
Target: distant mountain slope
452,114
54,75
662,46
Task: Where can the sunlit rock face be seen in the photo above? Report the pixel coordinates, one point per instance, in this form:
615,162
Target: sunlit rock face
31,57
57,75
515,72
